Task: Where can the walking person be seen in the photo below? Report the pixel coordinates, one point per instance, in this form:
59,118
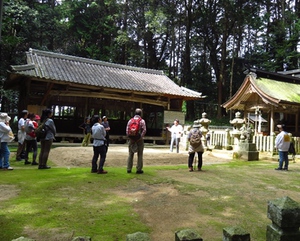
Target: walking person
196,146
46,142
21,136
99,146
282,144
176,131
6,136
31,142
136,130
86,127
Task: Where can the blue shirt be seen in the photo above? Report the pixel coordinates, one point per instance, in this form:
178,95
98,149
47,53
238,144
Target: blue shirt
98,134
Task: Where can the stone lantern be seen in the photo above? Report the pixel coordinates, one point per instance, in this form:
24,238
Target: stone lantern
204,121
237,123
244,148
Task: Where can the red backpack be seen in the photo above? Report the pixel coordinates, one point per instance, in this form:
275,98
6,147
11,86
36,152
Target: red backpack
134,129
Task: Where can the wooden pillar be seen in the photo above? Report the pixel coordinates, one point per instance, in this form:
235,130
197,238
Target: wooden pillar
296,122
272,121
24,94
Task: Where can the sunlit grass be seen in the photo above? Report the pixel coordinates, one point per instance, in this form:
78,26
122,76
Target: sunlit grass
75,202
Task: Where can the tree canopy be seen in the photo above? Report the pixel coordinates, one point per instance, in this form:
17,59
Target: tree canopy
202,45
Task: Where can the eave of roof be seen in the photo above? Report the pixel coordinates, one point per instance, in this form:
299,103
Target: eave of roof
65,69
282,91
272,92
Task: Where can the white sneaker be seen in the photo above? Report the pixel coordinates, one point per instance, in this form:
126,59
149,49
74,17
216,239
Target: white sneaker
10,168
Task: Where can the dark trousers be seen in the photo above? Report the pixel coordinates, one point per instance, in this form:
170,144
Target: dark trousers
45,150
191,159
99,151
20,150
31,145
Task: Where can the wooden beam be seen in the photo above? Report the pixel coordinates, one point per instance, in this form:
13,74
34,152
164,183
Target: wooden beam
46,96
141,99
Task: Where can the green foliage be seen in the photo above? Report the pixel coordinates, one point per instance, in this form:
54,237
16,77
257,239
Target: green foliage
220,121
194,42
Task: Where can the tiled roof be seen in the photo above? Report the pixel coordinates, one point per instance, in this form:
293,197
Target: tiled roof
70,69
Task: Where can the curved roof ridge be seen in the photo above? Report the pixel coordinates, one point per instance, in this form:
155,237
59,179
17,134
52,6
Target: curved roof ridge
93,61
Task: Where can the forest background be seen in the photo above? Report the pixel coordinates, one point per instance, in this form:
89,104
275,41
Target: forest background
204,45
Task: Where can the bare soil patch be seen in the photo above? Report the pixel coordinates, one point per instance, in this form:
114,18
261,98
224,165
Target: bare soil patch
117,156
161,207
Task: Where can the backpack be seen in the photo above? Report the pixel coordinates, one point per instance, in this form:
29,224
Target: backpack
28,130
195,139
292,149
41,131
134,129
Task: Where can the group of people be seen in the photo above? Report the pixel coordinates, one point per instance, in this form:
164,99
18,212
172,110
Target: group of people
98,128
27,140
176,132
136,143
100,134
86,126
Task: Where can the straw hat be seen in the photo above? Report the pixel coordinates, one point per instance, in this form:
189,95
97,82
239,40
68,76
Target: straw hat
4,117
196,124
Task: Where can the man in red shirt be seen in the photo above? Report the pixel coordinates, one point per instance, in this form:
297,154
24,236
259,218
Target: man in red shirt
136,144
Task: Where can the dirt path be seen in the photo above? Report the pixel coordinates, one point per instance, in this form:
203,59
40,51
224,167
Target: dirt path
117,156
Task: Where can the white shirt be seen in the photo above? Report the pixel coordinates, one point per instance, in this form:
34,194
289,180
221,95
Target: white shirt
176,130
282,141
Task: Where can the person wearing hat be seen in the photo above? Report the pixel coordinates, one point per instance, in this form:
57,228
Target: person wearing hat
37,118
6,136
194,138
21,135
105,123
176,131
87,128
282,144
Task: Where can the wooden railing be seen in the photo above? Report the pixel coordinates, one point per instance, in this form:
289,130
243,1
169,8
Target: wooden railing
223,139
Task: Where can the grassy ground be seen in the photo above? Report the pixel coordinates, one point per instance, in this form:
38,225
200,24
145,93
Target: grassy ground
61,203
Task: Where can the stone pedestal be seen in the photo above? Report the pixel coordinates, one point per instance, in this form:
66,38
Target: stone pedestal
187,235
138,236
285,215
235,234
247,151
